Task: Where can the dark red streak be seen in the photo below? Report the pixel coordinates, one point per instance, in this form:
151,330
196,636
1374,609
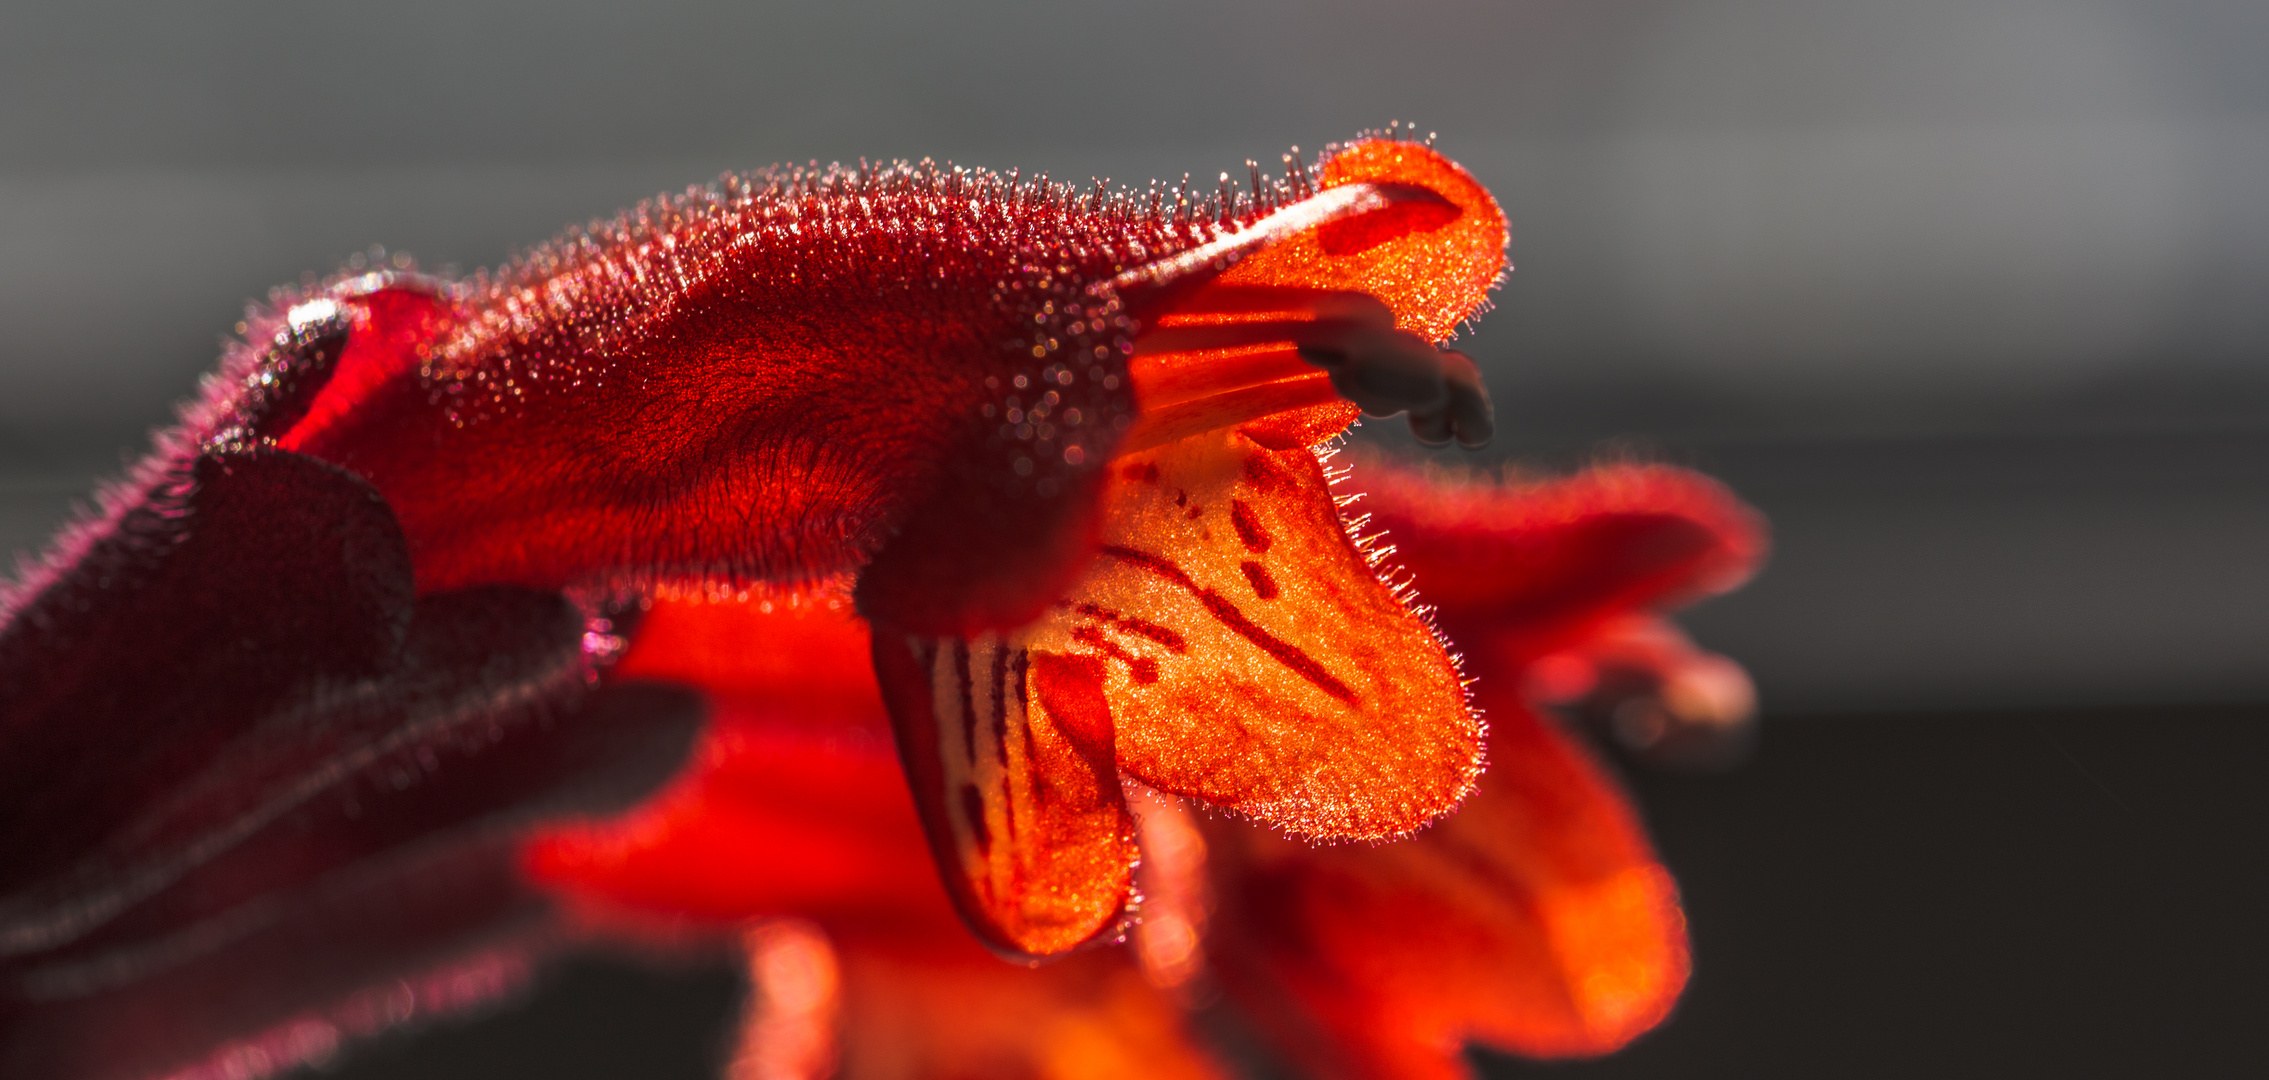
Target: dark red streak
1284,652
1264,586
1000,704
968,706
1160,634
973,808
1031,754
1248,527
1143,668
1016,670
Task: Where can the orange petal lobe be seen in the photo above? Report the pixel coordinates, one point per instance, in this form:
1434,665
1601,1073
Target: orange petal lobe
788,1026
1431,260
943,1008
1008,750
1536,921
1303,426
1251,656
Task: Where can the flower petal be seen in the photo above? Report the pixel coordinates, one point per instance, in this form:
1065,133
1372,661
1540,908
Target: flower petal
795,802
1642,684
779,815
1250,655
798,805
1396,229
1433,260
1008,750
1523,568
1536,920
940,1007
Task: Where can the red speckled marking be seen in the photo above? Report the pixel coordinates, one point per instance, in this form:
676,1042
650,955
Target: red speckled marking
1143,627
1249,529
1363,232
1143,668
1000,701
968,710
1264,586
1265,477
1284,652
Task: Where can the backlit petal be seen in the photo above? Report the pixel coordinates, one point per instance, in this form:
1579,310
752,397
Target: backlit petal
1520,568
1536,920
1431,261
942,1007
795,801
1250,655
1426,255
1008,751
797,808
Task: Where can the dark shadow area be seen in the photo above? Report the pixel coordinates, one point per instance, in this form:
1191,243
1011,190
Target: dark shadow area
2071,894
2041,893
595,1016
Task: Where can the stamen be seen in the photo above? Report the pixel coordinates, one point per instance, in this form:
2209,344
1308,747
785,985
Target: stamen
1213,355
1172,423
1171,376
1232,354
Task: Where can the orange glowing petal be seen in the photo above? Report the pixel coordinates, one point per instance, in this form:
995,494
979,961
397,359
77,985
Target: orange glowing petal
1431,257
1307,426
942,1007
789,1024
1536,920
1250,655
1008,752
1432,262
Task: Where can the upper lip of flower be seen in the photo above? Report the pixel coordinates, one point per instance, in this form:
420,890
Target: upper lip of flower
1212,355
1237,640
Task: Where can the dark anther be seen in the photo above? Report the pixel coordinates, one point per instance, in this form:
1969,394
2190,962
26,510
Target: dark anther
1389,371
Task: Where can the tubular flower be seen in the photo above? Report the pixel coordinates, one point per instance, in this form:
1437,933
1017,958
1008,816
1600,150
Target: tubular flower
1006,483
1534,919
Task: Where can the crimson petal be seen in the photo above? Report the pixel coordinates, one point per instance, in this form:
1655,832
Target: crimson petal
256,747
1009,754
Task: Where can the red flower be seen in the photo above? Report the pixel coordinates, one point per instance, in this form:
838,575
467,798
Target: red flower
269,720
1534,919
